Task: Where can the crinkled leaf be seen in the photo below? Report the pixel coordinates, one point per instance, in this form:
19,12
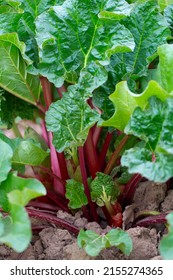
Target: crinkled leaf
75,194
165,67
70,119
6,154
148,125
103,189
154,125
92,77
19,191
37,7
26,27
153,160
72,36
18,82
121,173
165,246
94,243
101,100
29,153
149,29
16,229
14,19
9,19
139,160
120,239
116,10
126,101
91,242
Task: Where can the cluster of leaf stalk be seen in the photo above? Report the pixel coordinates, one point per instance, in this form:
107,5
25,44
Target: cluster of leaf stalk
108,45
91,161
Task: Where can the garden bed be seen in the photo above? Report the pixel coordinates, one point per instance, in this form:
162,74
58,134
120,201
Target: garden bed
53,243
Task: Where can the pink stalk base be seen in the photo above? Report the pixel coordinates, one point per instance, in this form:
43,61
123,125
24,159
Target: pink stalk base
85,182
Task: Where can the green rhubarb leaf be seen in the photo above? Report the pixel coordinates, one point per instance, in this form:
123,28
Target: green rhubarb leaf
19,191
14,19
120,239
103,189
94,243
91,78
9,18
26,28
70,119
75,194
126,101
15,193
28,152
12,142
149,28
35,8
16,229
30,133
72,36
6,154
148,125
153,125
91,242
116,10
153,158
165,67
19,82
165,246
140,160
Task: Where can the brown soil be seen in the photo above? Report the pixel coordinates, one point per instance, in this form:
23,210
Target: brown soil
54,243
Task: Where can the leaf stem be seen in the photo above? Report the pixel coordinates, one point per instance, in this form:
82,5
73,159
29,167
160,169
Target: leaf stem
85,182
47,91
155,219
46,170
91,155
52,219
55,166
61,90
96,135
115,155
104,150
41,108
130,188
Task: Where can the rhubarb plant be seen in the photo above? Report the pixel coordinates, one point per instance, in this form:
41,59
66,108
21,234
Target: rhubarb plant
95,79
